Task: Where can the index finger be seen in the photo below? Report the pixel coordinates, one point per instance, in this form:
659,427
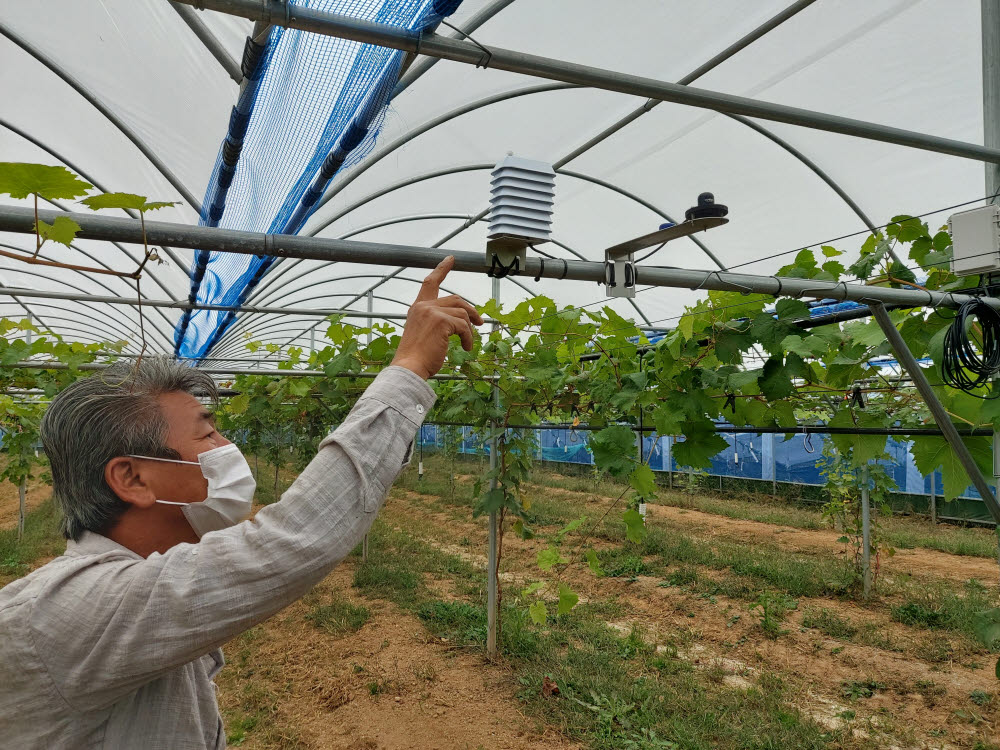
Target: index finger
432,284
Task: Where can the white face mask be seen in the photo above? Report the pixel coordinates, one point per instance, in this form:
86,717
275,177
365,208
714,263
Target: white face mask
230,489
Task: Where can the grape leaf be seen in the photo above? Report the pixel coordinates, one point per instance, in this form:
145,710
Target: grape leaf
986,626
594,563
929,453
539,614
61,230
635,527
700,444
791,309
549,557
20,180
774,381
238,404
612,448
126,201
643,481
567,599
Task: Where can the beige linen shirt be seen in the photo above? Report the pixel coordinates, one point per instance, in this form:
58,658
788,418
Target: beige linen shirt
101,648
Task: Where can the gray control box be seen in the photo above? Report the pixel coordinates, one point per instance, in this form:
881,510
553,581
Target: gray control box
975,238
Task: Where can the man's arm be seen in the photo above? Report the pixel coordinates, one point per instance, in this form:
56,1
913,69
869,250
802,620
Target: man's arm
139,619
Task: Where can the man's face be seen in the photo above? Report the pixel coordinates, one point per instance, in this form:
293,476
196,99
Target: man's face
191,430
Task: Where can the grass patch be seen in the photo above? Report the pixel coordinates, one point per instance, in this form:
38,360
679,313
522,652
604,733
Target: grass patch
617,690
338,617
829,623
41,539
941,607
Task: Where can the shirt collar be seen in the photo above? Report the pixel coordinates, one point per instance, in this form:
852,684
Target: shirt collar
91,543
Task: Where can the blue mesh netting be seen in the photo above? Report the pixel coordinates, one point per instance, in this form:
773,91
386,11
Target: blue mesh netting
314,105
749,456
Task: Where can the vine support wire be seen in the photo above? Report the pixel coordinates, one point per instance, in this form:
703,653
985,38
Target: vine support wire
866,534
909,363
492,576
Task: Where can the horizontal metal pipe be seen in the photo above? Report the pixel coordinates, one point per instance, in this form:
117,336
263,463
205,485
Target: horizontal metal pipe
185,305
730,429
435,45
22,220
44,365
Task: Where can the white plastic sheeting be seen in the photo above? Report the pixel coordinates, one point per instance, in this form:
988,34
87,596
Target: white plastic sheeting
911,64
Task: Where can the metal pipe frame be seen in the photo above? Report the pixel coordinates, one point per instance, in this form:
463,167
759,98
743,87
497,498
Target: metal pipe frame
98,366
207,38
412,74
718,59
247,322
734,430
409,181
435,45
941,416
725,54
101,107
95,279
183,305
21,220
288,266
62,159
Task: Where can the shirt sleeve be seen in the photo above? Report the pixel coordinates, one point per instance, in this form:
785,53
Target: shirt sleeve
115,626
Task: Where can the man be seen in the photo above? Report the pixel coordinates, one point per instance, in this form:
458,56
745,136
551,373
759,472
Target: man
115,643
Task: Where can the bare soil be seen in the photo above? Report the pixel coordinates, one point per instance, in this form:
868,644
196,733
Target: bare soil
429,694
922,680
38,493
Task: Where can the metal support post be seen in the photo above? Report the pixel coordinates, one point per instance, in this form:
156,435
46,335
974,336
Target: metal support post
492,583
364,542
866,534
933,498
941,417
990,15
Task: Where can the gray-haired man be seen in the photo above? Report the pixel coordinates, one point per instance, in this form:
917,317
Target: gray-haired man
115,643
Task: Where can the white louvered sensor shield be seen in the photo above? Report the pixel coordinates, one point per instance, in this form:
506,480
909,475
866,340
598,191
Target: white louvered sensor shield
521,197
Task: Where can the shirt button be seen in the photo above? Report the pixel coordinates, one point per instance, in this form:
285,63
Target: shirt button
420,409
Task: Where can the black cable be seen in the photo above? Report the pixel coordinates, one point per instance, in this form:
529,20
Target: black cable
962,366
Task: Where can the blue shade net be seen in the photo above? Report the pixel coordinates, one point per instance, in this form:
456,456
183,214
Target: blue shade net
311,106
748,456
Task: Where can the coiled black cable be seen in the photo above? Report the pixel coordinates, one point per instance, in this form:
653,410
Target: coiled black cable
963,367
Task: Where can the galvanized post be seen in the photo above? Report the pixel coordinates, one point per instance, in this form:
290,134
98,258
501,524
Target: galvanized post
866,535
774,469
933,498
990,15
491,562
364,542
938,412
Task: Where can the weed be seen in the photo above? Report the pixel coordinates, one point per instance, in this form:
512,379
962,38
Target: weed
773,608
338,617
980,697
855,689
829,623
683,576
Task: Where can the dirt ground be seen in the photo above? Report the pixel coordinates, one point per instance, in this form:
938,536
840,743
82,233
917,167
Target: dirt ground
925,680
436,695
38,493
432,694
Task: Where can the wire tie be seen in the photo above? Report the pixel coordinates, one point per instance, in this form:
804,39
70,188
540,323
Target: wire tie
565,269
484,61
541,269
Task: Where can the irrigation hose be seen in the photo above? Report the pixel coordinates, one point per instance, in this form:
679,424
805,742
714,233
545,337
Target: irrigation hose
967,364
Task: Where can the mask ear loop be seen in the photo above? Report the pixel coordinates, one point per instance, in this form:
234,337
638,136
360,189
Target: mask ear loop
165,460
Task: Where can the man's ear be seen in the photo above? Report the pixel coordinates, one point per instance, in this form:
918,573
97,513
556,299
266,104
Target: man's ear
123,477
